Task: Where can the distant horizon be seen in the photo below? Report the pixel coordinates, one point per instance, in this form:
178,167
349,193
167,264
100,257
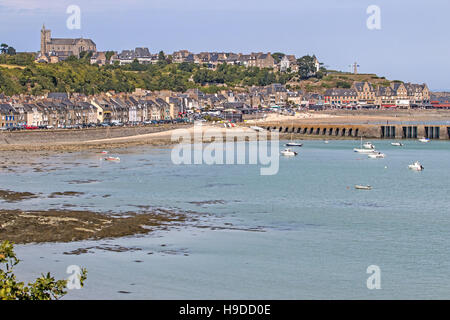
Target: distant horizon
408,47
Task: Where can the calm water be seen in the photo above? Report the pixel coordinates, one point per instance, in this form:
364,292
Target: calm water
316,234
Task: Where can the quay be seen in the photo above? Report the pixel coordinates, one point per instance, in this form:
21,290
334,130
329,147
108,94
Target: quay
374,131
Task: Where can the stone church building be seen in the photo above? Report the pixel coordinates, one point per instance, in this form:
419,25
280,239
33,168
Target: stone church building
63,48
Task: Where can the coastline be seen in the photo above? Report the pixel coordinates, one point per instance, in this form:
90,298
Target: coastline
122,137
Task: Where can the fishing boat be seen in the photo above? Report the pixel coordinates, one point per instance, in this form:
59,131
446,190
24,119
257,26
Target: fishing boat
397,144
424,140
378,155
416,166
116,159
360,187
288,153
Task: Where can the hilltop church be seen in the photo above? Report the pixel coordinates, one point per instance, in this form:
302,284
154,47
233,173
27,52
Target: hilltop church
56,49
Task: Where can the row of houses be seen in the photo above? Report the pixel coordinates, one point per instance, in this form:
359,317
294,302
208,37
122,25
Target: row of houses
397,94
62,110
211,59
58,110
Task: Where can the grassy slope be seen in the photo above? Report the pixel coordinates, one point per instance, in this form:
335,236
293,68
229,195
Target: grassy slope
337,79
11,66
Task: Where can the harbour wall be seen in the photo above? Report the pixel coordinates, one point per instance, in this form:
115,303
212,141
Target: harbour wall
375,131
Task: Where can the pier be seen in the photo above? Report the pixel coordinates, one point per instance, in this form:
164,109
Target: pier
375,131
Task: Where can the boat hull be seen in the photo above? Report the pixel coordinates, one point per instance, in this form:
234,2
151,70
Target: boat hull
293,144
367,151
358,187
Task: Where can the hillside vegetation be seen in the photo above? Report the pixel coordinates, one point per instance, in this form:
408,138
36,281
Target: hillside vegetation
78,75
20,74
335,79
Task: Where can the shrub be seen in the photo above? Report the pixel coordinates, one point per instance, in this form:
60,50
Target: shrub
44,288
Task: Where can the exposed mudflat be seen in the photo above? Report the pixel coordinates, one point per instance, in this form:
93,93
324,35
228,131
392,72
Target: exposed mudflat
13,196
68,225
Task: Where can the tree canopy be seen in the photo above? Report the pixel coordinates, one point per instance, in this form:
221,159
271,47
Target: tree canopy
5,49
78,75
306,66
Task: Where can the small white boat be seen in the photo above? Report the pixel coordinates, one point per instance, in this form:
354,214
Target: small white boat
368,145
397,144
416,166
288,153
293,144
424,140
366,151
360,187
378,155
326,142
116,159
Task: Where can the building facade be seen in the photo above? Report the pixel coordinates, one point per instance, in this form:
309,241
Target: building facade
64,47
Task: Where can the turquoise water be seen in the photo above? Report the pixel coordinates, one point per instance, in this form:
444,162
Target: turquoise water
304,233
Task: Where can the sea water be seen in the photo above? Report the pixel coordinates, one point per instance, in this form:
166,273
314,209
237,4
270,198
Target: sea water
304,233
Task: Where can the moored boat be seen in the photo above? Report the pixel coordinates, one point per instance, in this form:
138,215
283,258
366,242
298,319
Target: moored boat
288,153
293,144
368,145
365,148
116,159
366,151
416,166
361,187
378,155
397,144
424,140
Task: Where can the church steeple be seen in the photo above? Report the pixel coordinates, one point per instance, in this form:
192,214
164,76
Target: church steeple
45,38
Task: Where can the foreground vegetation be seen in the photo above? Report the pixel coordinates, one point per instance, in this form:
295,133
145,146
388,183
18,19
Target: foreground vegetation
44,288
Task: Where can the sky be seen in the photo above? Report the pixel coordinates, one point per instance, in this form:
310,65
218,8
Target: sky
411,45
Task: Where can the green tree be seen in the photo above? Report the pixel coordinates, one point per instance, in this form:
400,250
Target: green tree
3,48
108,55
11,51
161,56
306,66
277,56
44,288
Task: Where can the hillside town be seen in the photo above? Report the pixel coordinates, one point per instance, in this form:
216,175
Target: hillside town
54,50
61,110
68,110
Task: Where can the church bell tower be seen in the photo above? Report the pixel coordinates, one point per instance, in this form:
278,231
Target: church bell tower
45,38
